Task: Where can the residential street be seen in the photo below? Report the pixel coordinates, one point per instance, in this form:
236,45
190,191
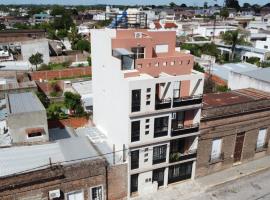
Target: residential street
256,187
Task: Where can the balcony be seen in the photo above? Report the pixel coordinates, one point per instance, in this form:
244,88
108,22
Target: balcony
187,101
163,104
187,129
176,157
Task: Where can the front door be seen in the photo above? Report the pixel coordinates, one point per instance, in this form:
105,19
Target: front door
239,146
158,175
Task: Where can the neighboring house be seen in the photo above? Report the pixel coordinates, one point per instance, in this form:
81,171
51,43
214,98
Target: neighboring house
234,129
27,119
84,88
28,48
151,105
41,18
66,169
263,44
17,35
209,31
258,79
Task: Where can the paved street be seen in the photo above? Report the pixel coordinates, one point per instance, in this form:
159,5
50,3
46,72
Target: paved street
256,187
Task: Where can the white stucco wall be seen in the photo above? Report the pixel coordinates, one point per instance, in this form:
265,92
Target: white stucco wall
239,81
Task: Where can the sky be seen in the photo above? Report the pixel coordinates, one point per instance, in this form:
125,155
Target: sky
126,2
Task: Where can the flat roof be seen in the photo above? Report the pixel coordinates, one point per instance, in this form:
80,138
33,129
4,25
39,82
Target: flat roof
233,97
24,103
223,71
262,74
83,87
30,158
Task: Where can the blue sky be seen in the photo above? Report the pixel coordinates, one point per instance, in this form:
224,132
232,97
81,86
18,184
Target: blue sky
126,2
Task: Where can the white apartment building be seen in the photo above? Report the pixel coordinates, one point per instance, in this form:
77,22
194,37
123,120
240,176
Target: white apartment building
147,98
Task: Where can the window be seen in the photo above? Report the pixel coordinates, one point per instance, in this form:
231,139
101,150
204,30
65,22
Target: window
161,126
134,183
138,52
78,195
136,101
216,149
34,134
97,193
148,90
180,172
135,131
176,89
178,120
265,46
261,140
159,154
162,48
135,159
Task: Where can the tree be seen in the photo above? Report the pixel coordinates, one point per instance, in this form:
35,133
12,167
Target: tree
246,5
2,26
36,59
83,45
183,5
205,5
43,98
73,103
172,5
224,13
73,36
232,4
232,38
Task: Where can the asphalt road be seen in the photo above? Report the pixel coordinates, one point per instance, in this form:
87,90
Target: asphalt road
255,187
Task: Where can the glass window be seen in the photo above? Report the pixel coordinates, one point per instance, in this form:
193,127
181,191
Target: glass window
78,195
135,159
261,140
138,52
216,149
96,193
135,131
161,126
159,154
136,100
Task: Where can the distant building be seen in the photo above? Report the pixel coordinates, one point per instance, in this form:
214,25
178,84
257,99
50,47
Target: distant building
27,118
258,79
41,18
234,129
9,36
210,31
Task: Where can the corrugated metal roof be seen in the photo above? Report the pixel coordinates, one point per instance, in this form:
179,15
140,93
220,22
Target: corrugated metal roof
30,158
260,74
24,102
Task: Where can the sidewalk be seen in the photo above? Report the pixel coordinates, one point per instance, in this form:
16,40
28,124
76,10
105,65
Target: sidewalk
191,188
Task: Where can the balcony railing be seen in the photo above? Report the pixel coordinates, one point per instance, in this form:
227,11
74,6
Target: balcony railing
163,104
187,129
186,101
176,157
161,133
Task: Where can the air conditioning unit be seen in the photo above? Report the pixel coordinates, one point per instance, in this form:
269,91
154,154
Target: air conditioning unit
138,34
174,116
54,194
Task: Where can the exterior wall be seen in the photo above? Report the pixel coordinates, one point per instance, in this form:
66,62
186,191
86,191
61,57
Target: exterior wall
240,81
58,74
263,44
34,46
208,31
18,123
227,129
36,185
20,35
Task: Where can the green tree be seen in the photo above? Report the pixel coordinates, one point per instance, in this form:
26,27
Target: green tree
36,59
172,5
2,26
43,98
74,37
62,18
197,67
224,13
232,4
233,38
83,45
89,60
73,103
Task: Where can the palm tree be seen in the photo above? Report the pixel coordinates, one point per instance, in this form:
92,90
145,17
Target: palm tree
232,38
36,59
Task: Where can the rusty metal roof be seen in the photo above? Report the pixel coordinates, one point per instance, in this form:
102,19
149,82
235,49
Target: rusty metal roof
233,97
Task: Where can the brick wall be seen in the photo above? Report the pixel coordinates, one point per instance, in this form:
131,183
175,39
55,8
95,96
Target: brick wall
74,122
36,185
57,74
117,181
227,128
73,177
